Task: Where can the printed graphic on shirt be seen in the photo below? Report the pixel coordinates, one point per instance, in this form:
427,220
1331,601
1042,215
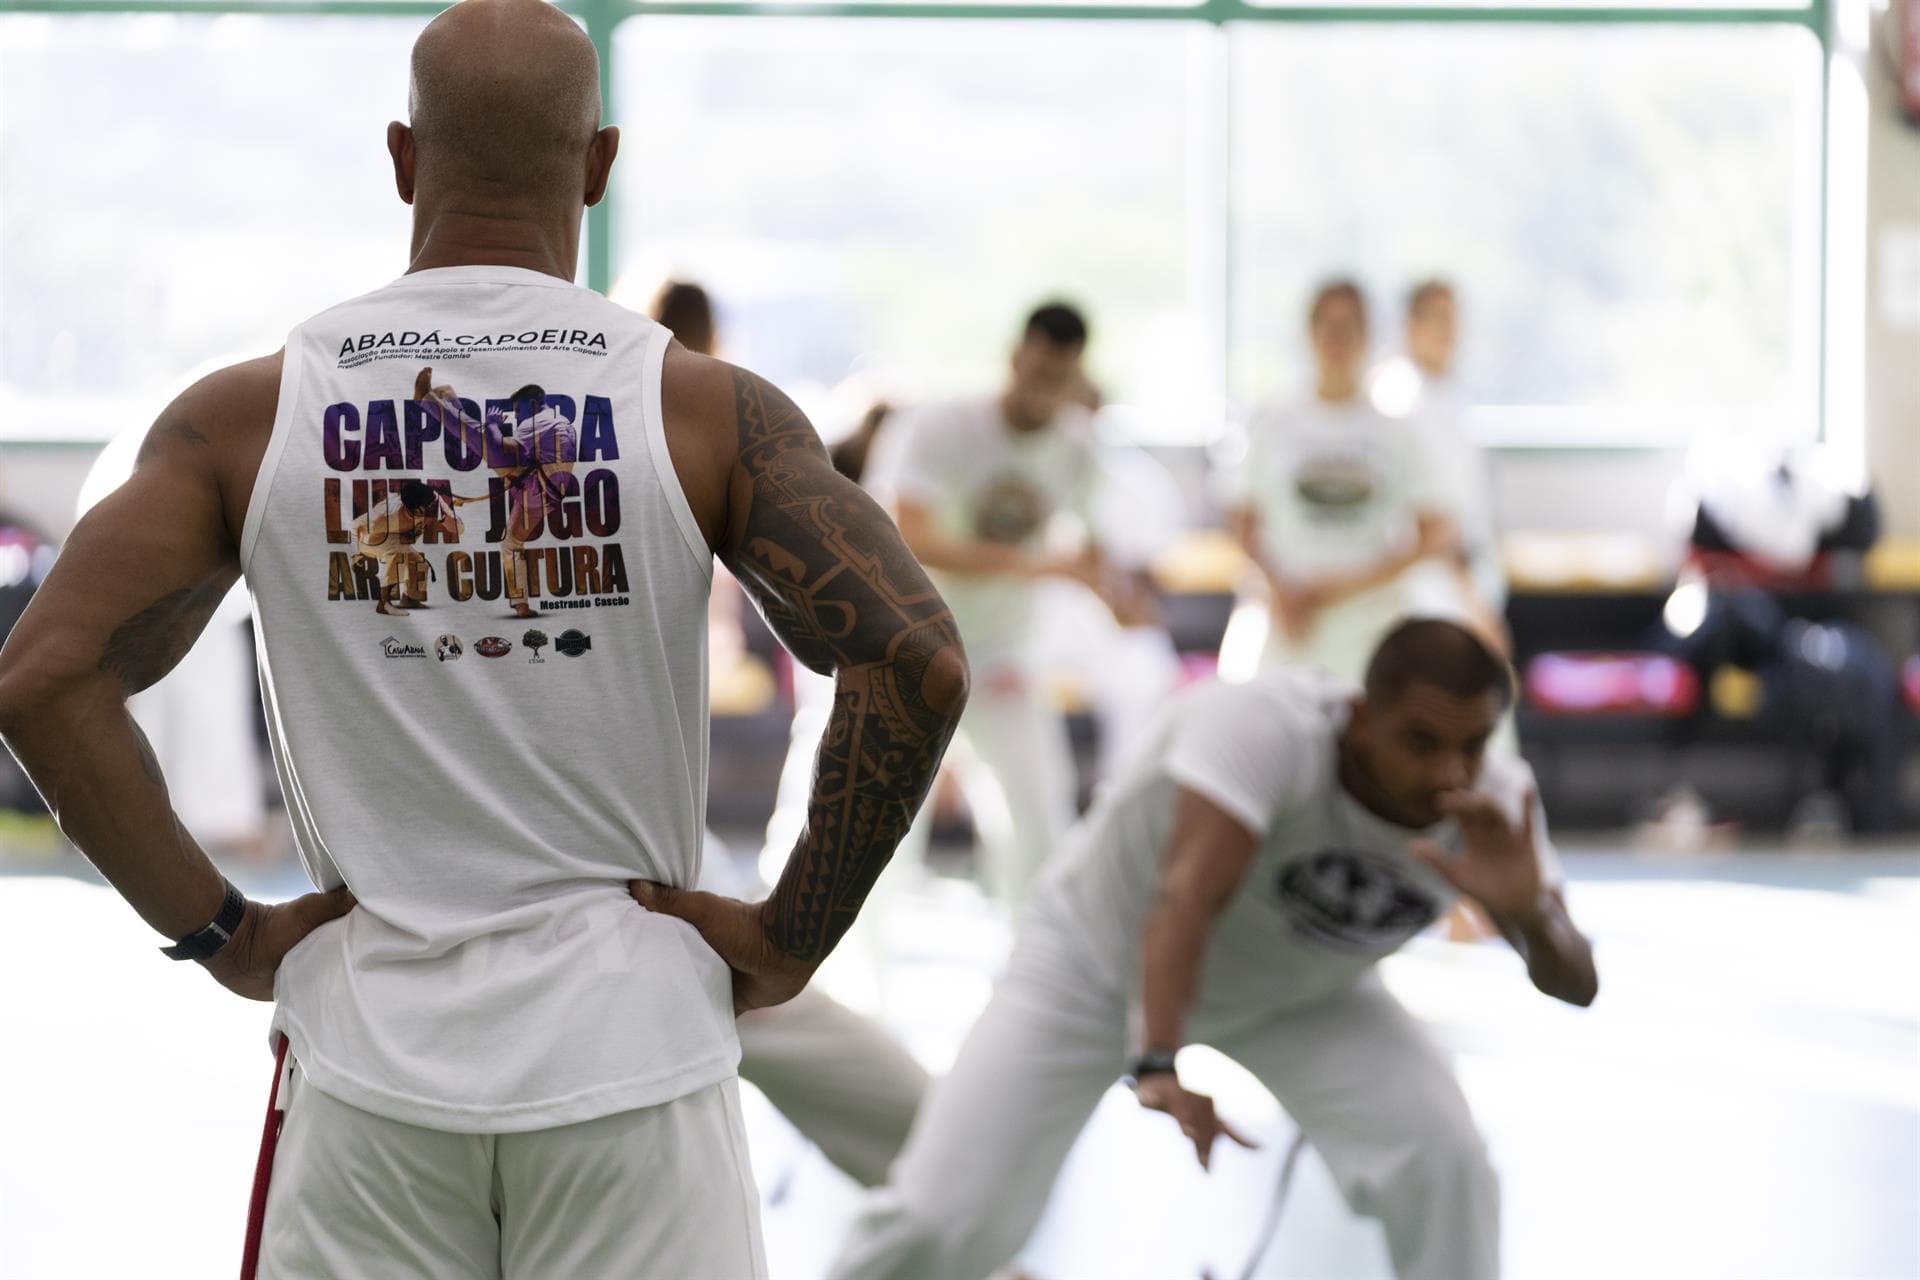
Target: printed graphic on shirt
438,346
1354,900
1010,509
449,498
1335,486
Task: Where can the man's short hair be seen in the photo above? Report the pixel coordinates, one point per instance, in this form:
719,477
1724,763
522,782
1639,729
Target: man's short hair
1331,290
1057,323
1438,653
416,496
533,392
1430,290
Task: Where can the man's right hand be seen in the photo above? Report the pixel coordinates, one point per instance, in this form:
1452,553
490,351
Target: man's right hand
1162,1091
763,975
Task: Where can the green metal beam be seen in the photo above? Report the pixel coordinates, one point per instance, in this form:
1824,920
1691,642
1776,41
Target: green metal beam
600,18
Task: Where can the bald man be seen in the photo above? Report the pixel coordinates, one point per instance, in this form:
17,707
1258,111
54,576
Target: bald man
505,1024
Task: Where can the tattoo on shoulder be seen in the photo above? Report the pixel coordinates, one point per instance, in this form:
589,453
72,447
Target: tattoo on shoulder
172,425
835,581
149,644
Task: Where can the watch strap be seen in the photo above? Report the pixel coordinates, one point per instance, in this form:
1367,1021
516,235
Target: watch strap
1153,1062
203,944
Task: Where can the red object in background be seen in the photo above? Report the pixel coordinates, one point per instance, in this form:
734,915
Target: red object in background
1910,59
1910,683
1622,684
1727,570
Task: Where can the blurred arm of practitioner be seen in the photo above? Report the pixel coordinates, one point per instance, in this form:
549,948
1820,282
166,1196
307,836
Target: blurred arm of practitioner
1296,600
133,588
1206,859
836,583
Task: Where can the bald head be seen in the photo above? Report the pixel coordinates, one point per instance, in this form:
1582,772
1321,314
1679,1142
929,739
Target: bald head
505,104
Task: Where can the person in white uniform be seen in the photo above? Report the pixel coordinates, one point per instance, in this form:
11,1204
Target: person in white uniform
505,1022
992,494
1236,887
847,1084
1333,508
1421,388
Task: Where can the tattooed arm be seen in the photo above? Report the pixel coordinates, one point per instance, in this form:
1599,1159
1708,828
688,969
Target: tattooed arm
833,579
132,589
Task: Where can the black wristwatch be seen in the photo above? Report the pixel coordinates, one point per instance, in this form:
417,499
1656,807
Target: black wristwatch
1154,1062
203,944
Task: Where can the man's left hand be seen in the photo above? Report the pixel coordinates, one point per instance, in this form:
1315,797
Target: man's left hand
1497,865
267,931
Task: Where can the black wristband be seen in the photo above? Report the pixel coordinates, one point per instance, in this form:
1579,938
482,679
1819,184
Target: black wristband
204,944
1154,1062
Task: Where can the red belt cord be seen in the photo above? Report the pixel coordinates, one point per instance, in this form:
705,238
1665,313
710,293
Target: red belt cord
263,1168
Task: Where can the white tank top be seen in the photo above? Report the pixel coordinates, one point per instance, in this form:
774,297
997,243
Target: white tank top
487,785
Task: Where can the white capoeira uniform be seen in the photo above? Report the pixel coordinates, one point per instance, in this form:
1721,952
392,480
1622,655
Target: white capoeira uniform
982,481
1336,487
1288,989
1459,486
849,1087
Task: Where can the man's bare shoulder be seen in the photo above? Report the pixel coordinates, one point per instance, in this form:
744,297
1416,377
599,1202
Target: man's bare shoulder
699,417
219,427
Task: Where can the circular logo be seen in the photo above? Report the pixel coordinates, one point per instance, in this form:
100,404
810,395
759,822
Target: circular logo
573,642
1354,900
492,647
447,648
1010,510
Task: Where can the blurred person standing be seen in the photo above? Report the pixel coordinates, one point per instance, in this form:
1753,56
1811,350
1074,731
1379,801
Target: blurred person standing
1110,642
1332,506
1421,388
982,488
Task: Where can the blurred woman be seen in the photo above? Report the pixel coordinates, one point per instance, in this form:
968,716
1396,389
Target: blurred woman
1330,504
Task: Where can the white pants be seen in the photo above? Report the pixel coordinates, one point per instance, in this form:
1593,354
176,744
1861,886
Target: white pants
1014,762
844,1083
658,1193
1370,1090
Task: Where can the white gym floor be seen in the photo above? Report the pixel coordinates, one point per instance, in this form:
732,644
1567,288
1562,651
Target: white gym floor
1742,1102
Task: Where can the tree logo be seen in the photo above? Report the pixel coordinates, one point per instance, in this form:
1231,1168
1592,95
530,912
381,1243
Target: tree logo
536,640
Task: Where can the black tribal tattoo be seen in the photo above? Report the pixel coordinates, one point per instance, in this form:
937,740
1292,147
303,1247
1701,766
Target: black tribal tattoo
831,575
173,425
150,643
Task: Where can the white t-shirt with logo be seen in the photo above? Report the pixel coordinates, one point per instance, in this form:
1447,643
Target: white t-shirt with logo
983,481
1332,888
1462,490
1336,487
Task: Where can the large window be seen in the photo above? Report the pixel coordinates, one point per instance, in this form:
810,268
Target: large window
1631,209
882,200
175,190
1631,214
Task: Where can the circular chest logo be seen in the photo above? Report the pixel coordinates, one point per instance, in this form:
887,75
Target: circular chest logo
573,642
1354,900
1009,510
492,647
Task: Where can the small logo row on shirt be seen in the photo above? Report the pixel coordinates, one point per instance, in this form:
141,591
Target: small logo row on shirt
448,648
